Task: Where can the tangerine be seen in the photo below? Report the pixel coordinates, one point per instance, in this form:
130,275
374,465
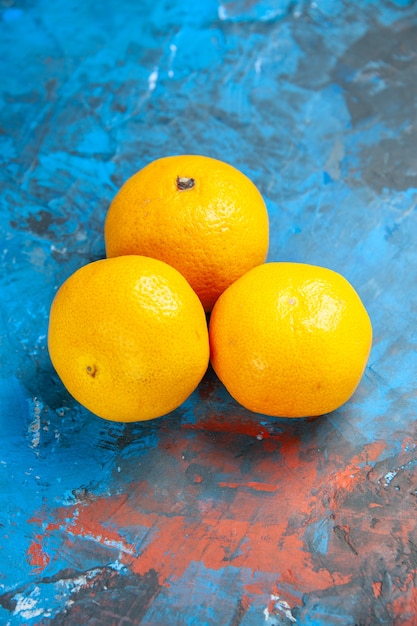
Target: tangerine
200,215
128,337
290,340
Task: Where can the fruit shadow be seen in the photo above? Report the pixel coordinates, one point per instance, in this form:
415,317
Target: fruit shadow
216,419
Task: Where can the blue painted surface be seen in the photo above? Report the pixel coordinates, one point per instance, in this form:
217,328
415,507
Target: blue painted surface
210,516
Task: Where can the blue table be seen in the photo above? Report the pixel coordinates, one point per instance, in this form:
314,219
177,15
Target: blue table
211,516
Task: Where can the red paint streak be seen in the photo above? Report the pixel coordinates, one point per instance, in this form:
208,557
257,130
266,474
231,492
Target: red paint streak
287,578
271,605
36,555
35,520
245,603
252,485
275,550
255,589
237,426
346,478
181,542
377,588
225,541
90,522
404,606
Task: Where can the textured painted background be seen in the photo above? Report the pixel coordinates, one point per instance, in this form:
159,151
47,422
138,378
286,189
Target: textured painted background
211,516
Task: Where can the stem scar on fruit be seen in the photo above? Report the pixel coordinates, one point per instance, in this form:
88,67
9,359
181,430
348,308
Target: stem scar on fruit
92,371
183,183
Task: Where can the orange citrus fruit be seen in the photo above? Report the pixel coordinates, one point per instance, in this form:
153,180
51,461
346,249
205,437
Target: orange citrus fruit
290,340
128,337
200,215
